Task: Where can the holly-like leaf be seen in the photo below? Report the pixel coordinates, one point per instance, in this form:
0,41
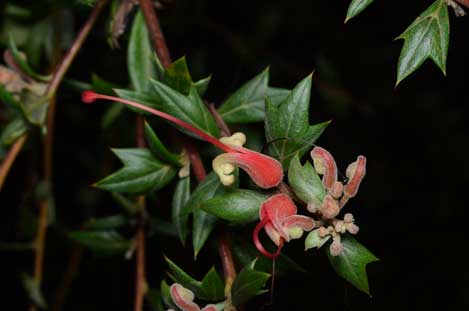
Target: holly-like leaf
177,76
142,173
247,104
181,196
247,284
105,242
426,37
189,108
356,7
147,99
238,206
351,263
305,181
202,85
140,60
158,149
287,126
210,288
203,221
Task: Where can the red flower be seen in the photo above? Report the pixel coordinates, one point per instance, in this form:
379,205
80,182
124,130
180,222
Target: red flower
278,216
265,171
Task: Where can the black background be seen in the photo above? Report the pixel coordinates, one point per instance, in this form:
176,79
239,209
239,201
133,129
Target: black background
411,207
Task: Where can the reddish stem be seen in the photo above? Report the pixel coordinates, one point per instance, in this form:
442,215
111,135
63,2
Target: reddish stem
257,242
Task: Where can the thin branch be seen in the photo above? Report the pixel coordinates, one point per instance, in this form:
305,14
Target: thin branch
156,34
74,49
10,158
140,283
225,130
50,92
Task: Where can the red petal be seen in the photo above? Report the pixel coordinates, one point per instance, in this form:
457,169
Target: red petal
185,303
351,188
304,222
330,176
265,171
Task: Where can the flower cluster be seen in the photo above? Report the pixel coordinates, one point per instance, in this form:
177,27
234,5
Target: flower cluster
278,214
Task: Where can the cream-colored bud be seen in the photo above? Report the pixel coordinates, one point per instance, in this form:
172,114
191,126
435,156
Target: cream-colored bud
313,206
319,165
349,218
337,190
351,169
322,232
352,228
340,227
330,207
336,247
238,139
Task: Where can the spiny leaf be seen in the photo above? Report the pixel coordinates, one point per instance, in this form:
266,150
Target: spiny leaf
247,104
157,147
305,181
210,288
238,206
203,221
248,283
189,108
141,173
426,37
351,263
287,124
356,7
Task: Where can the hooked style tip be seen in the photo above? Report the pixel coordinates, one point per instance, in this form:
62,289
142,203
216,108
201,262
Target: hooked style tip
89,97
258,244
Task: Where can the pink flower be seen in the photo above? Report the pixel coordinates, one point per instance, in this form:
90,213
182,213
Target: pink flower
265,171
184,299
278,216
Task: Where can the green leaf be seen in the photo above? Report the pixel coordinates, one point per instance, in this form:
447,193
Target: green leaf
287,124
351,264
34,106
166,296
180,276
14,130
158,149
110,222
187,108
102,86
314,240
426,37
203,221
305,181
356,7
238,206
202,85
140,60
177,76
33,290
247,104
180,198
212,286
107,242
142,173
248,283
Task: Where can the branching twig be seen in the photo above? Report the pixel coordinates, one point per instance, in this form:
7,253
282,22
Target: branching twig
10,158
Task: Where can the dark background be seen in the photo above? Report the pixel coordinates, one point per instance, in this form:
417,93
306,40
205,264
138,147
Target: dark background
410,208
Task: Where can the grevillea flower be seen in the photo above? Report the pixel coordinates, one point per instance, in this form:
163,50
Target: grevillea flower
265,171
278,216
184,299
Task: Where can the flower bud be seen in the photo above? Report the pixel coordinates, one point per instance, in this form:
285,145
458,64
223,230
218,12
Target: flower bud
330,207
183,298
336,247
337,190
355,172
325,165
